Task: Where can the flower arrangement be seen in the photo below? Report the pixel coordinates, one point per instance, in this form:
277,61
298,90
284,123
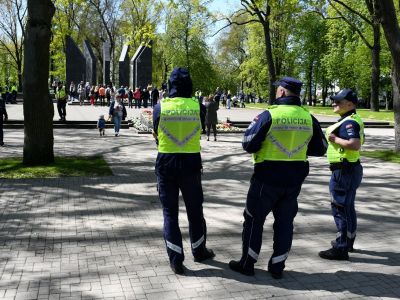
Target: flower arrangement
227,127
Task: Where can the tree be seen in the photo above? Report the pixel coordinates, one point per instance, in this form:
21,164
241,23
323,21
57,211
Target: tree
107,12
12,21
375,47
38,107
387,16
187,24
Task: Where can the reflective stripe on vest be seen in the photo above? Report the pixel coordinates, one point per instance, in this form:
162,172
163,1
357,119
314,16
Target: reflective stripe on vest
179,127
335,152
288,137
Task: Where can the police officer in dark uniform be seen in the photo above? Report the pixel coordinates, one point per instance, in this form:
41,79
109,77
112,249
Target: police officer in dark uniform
345,139
177,128
3,114
280,140
61,96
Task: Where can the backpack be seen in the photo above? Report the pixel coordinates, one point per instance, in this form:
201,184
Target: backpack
108,92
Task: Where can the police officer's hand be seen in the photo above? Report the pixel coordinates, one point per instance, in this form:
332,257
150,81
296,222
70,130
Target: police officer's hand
332,137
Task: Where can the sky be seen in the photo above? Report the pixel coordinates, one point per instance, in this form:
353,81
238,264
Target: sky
225,7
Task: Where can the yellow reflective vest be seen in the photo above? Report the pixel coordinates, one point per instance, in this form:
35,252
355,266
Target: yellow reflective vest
288,137
335,152
60,93
180,126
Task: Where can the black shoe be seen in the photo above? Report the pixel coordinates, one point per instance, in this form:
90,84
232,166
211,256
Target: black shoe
334,254
350,249
207,253
276,275
235,266
177,268
1,144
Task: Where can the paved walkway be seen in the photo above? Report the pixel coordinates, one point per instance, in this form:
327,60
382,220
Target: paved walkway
101,238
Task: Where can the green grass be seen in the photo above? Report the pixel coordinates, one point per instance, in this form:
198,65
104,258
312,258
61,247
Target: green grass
387,155
383,115
13,168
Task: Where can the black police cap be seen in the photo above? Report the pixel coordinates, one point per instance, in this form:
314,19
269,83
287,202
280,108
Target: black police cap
292,84
346,94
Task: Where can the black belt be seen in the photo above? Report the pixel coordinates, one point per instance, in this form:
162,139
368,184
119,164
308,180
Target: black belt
343,165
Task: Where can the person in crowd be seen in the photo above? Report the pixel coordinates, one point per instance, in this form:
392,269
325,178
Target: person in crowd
280,139
228,100
108,95
102,95
345,139
96,94
92,99
101,125
72,91
3,118
211,119
177,131
137,95
145,97
130,97
154,96
117,112
217,96
81,93
87,91
61,96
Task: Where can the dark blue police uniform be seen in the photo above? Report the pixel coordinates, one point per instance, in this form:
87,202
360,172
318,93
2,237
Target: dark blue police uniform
181,172
274,187
342,186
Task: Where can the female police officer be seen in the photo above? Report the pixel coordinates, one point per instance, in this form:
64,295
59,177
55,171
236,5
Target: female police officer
345,139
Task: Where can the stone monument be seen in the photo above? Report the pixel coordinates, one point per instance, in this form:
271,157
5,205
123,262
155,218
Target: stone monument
90,63
106,63
141,67
124,66
75,63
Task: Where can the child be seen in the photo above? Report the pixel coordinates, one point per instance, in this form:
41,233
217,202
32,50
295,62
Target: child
101,125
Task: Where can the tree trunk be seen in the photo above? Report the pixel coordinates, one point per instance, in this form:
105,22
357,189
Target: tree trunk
375,75
387,13
396,108
309,88
38,107
269,56
271,65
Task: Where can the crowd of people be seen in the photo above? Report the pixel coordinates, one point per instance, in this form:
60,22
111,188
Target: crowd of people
104,94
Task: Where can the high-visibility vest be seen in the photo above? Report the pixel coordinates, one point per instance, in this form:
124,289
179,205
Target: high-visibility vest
288,137
60,93
180,125
335,152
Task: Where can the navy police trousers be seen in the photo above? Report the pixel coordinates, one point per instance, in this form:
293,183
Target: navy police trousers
261,200
192,193
342,186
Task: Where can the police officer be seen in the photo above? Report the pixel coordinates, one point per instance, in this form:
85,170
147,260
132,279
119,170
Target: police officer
3,114
280,140
61,96
177,127
14,94
345,139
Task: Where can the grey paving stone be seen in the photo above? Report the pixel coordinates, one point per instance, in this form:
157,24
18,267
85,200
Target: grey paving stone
97,238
